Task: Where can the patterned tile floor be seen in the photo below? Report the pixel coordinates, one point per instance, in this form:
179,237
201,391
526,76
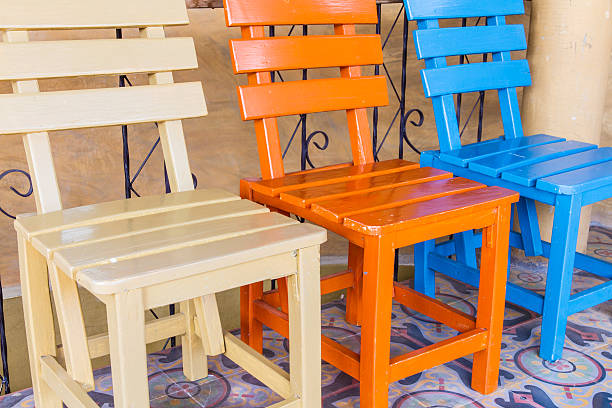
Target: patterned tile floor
583,378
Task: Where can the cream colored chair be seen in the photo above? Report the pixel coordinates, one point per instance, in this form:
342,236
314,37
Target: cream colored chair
146,252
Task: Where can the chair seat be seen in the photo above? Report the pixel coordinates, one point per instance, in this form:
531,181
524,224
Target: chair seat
381,197
544,162
145,241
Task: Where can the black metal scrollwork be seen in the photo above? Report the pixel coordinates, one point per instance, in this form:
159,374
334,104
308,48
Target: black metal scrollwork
14,190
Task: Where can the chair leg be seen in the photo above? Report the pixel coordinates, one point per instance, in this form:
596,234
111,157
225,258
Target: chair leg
72,327
379,255
38,316
530,229
559,277
194,356
209,323
491,301
128,353
424,277
305,328
282,294
465,247
251,329
353,295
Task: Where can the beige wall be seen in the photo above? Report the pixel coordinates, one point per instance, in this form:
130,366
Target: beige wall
222,147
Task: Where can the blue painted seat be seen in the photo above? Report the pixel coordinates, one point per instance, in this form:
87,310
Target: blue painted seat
562,173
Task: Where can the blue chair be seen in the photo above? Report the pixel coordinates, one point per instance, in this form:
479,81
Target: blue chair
565,174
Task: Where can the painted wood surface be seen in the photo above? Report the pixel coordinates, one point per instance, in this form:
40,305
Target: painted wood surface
377,219
572,183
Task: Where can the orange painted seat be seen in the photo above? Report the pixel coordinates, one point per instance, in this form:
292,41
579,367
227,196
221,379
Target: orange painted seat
377,206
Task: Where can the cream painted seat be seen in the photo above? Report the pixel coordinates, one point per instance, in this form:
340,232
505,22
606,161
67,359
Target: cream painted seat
145,252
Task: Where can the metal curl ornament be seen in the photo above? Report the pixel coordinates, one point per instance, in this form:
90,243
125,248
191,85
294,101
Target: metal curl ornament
418,123
305,151
14,190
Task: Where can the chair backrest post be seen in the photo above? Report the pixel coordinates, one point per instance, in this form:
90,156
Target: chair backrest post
266,130
37,146
358,125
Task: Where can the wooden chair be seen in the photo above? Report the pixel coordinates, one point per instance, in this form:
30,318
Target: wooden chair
565,174
147,252
378,207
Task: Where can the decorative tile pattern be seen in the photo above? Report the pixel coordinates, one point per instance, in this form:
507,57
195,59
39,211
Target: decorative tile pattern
583,378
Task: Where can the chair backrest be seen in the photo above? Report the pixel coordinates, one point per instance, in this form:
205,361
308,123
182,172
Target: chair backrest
257,56
34,113
441,82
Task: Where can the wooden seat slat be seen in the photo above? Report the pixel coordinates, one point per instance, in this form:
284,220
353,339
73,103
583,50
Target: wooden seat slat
47,243
495,164
195,259
306,196
67,58
59,14
315,95
273,187
435,210
117,210
315,51
61,110
528,175
475,151
416,194
435,9
281,12
70,260
580,180
444,42
474,77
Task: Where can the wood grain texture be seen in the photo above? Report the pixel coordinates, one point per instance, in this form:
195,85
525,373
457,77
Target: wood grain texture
475,77
298,181
316,51
306,196
315,95
89,14
60,110
279,12
338,209
53,59
436,209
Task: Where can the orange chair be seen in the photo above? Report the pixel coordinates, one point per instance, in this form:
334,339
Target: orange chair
378,207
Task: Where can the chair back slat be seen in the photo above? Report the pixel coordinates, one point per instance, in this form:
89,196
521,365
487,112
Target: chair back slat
54,59
317,51
441,81
296,12
437,9
475,77
61,110
66,14
445,42
258,56
34,113
317,95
